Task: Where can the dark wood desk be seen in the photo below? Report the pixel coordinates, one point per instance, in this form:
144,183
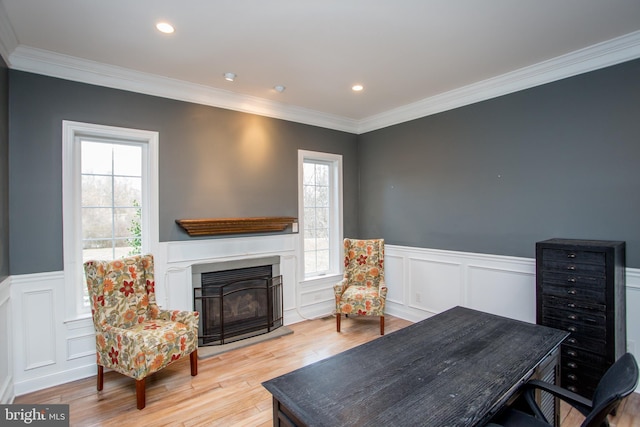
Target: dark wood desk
454,369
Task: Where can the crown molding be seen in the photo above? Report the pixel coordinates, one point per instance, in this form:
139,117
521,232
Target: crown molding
615,51
80,70
591,58
8,39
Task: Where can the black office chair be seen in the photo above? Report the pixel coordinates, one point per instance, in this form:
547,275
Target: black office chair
620,380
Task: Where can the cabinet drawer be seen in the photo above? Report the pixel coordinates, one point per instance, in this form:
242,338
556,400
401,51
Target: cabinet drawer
594,332
572,304
580,257
574,267
587,343
596,361
576,293
573,279
575,382
589,319
580,377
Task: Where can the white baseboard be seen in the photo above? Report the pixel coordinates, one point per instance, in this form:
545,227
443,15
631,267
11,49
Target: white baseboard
55,378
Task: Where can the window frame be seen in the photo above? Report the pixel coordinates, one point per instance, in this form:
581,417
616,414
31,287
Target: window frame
72,134
335,210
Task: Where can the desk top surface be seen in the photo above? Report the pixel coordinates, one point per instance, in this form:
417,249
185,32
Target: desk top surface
453,369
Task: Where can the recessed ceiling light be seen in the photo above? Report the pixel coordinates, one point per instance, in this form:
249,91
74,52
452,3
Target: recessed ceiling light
279,88
229,77
165,27
357,88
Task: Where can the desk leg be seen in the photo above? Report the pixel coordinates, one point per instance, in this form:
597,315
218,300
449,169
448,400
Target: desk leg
549,371
282,417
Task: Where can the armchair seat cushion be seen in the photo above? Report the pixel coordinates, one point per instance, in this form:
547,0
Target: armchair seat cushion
144,348
362,300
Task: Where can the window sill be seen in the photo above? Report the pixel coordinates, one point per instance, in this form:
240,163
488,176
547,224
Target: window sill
318,280
80,321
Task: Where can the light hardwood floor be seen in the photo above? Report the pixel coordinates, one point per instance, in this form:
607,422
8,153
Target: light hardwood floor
227,390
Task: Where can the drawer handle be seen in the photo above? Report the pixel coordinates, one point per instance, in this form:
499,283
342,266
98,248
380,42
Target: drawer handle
571,305
572,341
572,365
572,329
571,280
571,255
571,267
572,377
572,317
572,388
572,353
572,292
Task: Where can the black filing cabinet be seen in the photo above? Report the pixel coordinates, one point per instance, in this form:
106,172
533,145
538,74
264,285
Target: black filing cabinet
580,288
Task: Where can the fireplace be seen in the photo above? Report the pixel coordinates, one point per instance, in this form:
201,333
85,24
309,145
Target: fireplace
237,299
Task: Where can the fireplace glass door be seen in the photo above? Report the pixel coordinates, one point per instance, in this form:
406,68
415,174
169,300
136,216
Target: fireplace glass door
238,304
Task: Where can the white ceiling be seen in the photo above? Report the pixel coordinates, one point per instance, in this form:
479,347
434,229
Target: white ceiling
414,57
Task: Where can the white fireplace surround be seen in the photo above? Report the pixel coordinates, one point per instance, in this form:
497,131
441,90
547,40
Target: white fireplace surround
210,267
183,261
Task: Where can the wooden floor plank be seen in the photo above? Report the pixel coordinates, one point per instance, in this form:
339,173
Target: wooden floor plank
227,390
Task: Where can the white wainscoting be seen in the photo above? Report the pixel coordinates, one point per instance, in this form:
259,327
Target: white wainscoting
6,349
424,282
49,350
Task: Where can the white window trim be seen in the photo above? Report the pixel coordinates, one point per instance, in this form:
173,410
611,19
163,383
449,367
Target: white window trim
71,201
336,214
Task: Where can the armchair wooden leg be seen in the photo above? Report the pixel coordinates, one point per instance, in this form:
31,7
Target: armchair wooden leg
194,362
381,325
140,393
100,377
338,321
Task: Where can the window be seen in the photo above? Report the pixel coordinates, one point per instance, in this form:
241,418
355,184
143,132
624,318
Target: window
111,194
320,182
110,199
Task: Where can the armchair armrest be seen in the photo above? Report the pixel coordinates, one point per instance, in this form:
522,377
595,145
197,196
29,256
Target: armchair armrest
189,318
582,404
382,289
339,288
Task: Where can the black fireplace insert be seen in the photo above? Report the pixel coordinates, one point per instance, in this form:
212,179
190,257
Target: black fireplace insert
237,304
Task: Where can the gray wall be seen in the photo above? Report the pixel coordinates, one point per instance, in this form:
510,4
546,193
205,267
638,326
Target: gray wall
213,162
4,170
559,160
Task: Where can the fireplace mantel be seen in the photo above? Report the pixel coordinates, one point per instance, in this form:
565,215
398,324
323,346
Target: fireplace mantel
212,226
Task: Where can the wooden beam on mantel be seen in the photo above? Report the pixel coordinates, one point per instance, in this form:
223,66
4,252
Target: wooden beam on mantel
212,226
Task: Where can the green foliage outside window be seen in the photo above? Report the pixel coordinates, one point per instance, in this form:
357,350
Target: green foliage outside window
135,228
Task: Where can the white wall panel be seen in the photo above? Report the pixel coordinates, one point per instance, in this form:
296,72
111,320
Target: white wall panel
38,320
633,312
434,286
6,348
501,291
394,272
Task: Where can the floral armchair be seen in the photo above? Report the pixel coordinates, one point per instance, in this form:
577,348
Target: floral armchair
362,291
133,335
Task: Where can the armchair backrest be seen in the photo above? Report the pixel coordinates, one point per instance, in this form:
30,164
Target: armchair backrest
364,261
620,380
121,292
